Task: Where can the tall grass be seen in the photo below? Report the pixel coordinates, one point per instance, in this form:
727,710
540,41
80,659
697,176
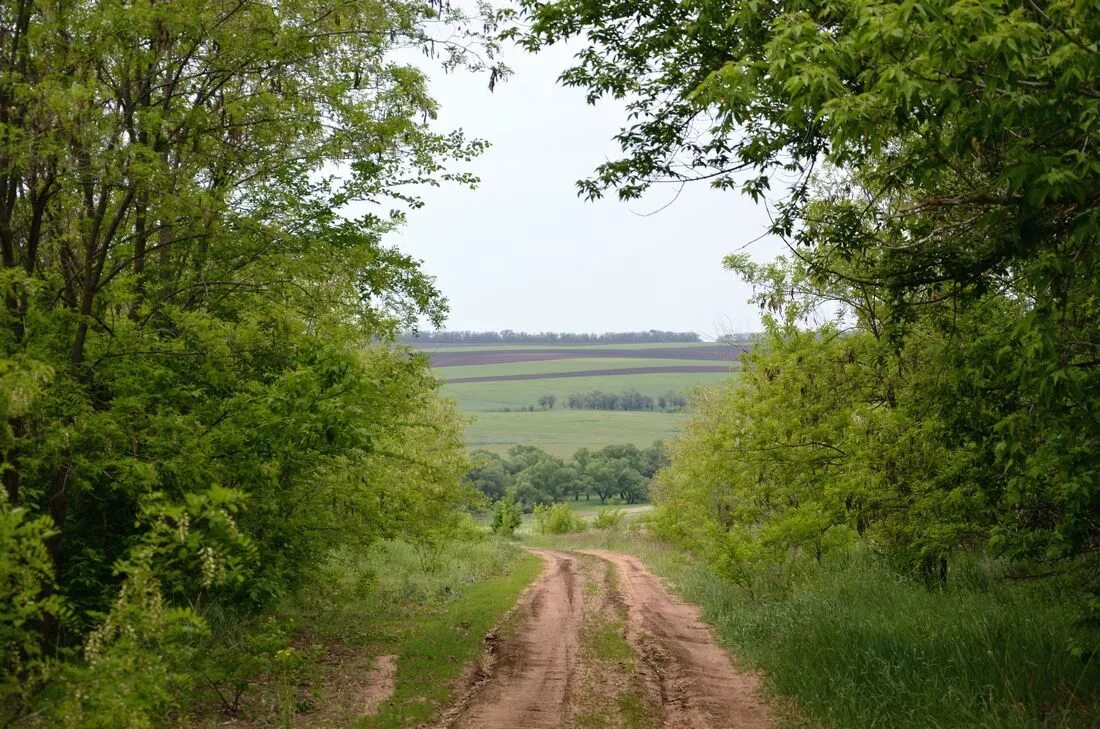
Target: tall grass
300,664
856,645
360,592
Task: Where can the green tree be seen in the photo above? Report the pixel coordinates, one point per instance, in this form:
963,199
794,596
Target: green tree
489,475
940,181
190,322
507,517
615,470
557,519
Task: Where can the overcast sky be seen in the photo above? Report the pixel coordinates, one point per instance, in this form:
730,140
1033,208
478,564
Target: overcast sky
523,252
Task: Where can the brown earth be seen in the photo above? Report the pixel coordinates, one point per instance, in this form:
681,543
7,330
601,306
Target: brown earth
698,683
379,684
590,373
533,670
717,352
598,641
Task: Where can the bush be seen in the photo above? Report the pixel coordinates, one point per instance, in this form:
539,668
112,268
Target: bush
507,516
558,519
136,667
26,602
609,519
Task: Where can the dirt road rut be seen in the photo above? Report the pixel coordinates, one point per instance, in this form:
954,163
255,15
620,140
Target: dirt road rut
598,641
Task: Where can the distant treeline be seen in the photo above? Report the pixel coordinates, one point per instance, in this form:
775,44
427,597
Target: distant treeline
507,336
629,400
739,338
528,476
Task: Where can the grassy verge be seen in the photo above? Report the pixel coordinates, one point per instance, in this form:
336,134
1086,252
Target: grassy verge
434,647
854,645
430,610
587,510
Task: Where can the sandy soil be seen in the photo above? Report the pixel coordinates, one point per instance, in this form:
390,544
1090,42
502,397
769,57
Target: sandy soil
550,672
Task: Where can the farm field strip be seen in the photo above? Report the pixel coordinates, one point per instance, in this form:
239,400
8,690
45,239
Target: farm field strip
475,397
499,385
590,373
431,348
563,432
571,365
721,353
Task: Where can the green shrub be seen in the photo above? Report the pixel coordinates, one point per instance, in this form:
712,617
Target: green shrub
609,519
25,603
247,650
137,663
507,516
557,519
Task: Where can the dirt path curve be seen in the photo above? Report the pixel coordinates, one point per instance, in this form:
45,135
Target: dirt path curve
555,665
697,684
531,680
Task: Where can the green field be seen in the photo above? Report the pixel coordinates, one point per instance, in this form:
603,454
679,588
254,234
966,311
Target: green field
562,432
499,347
475,397
567,365
496,405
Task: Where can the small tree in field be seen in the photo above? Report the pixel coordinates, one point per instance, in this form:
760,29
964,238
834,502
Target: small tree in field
507,516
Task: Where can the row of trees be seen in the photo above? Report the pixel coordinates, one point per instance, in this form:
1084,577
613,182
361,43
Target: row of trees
943,213
628,400
507,336
530,476
190,413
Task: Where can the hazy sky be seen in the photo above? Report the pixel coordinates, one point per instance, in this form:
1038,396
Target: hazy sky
523,252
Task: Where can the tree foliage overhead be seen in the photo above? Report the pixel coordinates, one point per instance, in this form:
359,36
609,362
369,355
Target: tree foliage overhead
195,403
942,193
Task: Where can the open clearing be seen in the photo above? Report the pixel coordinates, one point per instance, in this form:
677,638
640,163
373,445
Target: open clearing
599,642
434,348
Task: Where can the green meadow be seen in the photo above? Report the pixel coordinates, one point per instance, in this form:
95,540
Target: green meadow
502,414
563,432
579,364
479,397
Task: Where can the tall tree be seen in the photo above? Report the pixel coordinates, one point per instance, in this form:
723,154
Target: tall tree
939,165
191,317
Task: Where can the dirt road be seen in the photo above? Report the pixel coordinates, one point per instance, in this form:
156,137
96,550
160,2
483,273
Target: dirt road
598,641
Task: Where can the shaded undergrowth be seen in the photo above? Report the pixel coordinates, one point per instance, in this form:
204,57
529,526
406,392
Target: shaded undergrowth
430,610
